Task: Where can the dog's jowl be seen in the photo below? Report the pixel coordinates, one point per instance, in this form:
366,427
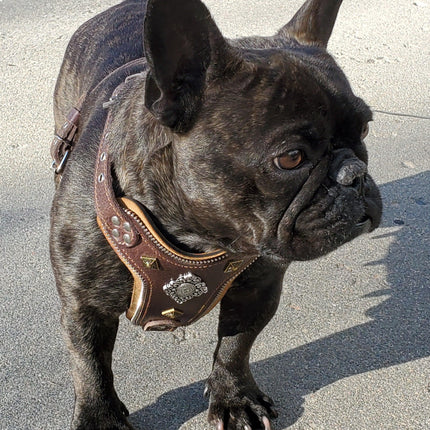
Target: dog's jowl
191,170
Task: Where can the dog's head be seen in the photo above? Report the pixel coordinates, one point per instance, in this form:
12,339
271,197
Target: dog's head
268,137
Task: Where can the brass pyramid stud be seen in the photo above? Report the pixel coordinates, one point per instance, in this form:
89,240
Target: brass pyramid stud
150,262
233,266
172,314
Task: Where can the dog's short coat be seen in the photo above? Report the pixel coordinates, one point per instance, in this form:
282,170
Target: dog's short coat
218,139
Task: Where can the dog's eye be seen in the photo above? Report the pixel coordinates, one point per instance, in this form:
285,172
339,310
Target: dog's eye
289,160
365,131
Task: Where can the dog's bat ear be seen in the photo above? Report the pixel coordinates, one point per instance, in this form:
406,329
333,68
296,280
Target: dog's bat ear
181,43
313,23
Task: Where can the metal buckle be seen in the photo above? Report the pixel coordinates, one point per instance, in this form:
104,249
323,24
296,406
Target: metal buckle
59,169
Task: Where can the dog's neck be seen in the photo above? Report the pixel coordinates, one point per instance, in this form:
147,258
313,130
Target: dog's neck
144,170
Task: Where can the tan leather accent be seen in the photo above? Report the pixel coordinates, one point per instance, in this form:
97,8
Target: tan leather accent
140,212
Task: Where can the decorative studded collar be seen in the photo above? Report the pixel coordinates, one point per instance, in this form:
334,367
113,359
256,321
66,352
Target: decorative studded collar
172,288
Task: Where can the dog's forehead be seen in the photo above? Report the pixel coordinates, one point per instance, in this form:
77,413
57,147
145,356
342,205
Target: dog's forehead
314,73
284,86
305,71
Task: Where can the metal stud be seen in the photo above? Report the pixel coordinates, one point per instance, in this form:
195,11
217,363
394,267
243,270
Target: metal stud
127,226
127,239
233,266
103,156
115,233
150,262
115,221
101,178
172,313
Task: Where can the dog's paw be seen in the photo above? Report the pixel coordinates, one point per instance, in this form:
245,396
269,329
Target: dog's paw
87,425
100,417
243,408
111,424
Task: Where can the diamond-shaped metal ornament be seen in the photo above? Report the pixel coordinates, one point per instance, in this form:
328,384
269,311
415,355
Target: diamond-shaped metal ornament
150,263
185,288
233,266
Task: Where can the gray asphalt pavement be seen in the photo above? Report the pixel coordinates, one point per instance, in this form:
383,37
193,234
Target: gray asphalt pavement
349,347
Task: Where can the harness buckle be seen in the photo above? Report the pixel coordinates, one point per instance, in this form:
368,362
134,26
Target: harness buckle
63,141
59,169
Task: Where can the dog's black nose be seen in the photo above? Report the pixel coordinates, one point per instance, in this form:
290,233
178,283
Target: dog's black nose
351,173
347,169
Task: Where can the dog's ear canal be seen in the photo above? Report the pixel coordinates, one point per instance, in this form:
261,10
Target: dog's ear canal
313,23
181,43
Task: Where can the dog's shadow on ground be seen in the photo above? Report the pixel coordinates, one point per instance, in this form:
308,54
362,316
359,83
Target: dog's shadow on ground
397,333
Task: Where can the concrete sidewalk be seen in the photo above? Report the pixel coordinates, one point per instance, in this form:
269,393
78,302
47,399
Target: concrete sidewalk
347,349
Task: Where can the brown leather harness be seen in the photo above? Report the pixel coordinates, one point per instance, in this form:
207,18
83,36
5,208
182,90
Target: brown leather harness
171,288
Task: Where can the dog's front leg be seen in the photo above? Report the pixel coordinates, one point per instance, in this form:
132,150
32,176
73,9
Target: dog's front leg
236,402
90,338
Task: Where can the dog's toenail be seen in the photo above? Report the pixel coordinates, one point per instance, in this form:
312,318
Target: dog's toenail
266,423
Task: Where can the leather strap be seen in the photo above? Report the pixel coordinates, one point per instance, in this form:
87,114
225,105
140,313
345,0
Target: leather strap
171,288
64,138
63,141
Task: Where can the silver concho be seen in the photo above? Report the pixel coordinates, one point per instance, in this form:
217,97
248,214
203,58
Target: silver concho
185,288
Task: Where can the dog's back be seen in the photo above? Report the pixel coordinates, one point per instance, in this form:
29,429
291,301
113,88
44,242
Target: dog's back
100,46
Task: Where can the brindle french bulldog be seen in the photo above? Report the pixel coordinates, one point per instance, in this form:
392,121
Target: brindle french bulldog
253,146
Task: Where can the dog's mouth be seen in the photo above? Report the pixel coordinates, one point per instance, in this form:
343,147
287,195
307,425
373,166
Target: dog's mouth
372,207
365,224
323,217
